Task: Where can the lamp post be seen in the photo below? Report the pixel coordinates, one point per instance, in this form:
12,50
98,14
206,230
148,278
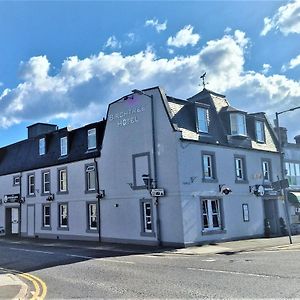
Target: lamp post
139,92
283,168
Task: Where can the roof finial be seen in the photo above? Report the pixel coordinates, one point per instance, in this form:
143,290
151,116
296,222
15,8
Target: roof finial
203,79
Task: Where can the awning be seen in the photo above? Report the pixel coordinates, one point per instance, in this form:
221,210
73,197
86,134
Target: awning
294,198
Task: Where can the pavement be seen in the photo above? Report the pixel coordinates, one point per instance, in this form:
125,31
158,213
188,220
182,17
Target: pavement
12,287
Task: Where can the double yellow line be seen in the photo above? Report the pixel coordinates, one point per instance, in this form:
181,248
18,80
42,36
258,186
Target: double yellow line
39,285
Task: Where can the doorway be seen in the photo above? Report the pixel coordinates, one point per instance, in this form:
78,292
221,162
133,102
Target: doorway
12,220
30,220
271,213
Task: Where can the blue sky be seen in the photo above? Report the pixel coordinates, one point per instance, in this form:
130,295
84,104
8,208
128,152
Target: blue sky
63,61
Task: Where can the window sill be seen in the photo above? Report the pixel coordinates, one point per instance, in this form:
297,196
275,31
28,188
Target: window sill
31,196
92,230
90,192
62,193
63,156
208,180
152,234
63,228
46,228
211,232
244,181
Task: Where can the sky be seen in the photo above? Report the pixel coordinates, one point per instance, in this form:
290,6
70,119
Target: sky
63,62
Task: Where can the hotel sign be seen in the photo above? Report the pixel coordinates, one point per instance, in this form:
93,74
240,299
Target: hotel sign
127,117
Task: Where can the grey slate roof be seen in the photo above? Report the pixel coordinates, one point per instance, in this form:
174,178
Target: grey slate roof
24,155
183,114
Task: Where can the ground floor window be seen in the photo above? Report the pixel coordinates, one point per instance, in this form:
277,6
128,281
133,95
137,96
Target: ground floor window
92,216
211,214
63,215
46,215
146,217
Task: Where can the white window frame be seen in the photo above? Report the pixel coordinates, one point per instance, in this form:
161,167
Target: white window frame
62,214
42,146
147,217
92,216
293,173
46,182
239,169
92,142
46,215
238,124
207,160
202,119
266,170
31,185
210,214
90,184
63,181
16,180
260,131
64,146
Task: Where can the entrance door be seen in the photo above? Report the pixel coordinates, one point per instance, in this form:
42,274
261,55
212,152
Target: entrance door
271,213
14,220
30,220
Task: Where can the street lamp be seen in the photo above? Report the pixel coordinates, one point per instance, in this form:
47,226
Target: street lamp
283,168
139,92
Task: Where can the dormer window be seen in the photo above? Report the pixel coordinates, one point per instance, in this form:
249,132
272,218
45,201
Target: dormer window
42,146
238,124
260,131
64,146
92,138
202,119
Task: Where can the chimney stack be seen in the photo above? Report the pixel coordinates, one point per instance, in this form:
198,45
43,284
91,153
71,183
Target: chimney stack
283,134
297,139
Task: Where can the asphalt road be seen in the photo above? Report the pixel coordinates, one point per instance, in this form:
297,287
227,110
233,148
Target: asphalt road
70,272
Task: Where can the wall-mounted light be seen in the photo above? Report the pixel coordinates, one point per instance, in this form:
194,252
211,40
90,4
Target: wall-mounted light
50,197
224,189
101,194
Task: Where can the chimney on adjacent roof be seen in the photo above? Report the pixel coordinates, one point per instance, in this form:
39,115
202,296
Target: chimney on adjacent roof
40,128
297,139
283,134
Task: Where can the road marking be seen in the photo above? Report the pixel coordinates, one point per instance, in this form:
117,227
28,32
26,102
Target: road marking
117,261
35,284
36,251
80,256
209,260
234,273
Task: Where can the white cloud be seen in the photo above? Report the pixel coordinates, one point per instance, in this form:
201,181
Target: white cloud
112,43
286,19
227,30
266,68
293,63
184,37
82,88
158,26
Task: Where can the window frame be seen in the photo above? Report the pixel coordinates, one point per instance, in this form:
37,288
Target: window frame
94,139
236,115
246,214
210,229
242,159
91,229
30,185
143,218
294,180
14,180
262,131
134,173
59,171
44,216
64,146
87,178
43,173
269,163
42,146
212,167
60,220
205,109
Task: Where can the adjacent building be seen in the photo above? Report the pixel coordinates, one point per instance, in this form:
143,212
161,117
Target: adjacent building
158,170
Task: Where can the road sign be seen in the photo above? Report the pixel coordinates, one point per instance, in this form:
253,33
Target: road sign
280,184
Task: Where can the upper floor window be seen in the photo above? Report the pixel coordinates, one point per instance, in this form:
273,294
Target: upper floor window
42,146
90,178
260,131
31,185
240,174
92,138
16,180
46,182
266,170
62,177
208,166
202,118
63,146
293,173
238,124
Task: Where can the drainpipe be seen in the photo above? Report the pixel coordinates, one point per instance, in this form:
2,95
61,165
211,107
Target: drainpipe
98,199
20,201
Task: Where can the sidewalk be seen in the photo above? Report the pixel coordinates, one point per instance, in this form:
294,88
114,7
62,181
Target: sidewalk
11,287
276,243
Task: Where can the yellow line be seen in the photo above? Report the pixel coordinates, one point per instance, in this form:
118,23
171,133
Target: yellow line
36,286
43,285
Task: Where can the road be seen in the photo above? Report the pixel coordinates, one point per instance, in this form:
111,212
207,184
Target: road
66,271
